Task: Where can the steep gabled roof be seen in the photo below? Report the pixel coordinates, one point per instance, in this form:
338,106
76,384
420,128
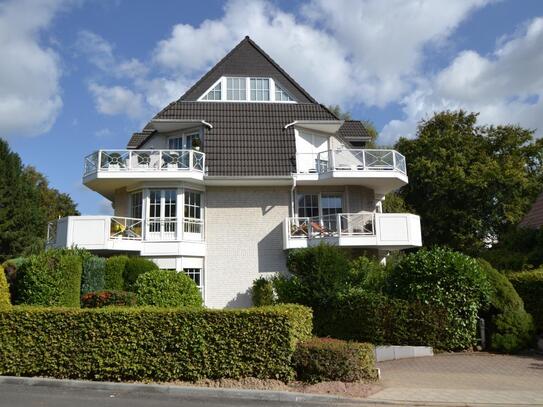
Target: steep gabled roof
248,59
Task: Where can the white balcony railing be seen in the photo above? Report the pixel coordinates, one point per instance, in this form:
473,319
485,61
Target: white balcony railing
144,160
340,224
351,160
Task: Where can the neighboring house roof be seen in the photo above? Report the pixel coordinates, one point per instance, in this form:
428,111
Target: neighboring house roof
534,217
247,138
248,59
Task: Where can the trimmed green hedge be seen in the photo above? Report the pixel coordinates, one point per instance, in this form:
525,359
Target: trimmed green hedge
105,298
167,288
370,317
136,266
5,302
114,271
529,285
150,343
325,359
51,278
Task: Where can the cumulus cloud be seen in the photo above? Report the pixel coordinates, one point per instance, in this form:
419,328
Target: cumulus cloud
505,87
117,100
30,94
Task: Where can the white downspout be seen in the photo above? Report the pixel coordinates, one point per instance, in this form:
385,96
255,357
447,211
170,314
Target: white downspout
292,195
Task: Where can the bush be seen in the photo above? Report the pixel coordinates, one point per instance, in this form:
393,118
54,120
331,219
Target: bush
151,343
371,317
325,359
262,292
502,293
167,288
94,273
529,285
368,274
5,302
135,266
51,278
446,279
513,331
10,269
104,298
113,278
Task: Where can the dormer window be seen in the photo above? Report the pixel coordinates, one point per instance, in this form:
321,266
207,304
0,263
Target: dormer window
247,89
214,93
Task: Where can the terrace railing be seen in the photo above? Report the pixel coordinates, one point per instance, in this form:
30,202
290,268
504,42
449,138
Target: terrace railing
336,225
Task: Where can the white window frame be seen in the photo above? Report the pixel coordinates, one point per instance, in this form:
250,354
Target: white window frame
224,91
319,202
281,89
241,80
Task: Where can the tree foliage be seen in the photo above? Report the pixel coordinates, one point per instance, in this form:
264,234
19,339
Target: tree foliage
26,204
470,182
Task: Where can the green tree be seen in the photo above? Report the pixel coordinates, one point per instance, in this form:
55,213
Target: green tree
470,182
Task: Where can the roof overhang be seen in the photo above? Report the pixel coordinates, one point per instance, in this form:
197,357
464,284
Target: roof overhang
167,125
325,126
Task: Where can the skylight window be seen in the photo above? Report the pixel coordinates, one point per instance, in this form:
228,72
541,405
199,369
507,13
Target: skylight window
214,94
260,89
281,95
235,89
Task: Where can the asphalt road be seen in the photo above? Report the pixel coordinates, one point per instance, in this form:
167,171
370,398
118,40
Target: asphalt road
16,395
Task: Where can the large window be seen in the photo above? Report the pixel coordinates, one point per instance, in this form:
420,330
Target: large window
163,213
331,206
214,94
308,205
260,89
235,89
193,212
136,205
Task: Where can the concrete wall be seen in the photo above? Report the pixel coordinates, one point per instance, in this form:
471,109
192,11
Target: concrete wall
244,240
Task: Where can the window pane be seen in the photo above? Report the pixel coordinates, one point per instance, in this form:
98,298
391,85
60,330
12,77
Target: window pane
214,94
308,205
136,205
260,89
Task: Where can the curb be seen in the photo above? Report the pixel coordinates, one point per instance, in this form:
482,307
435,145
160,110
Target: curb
194,391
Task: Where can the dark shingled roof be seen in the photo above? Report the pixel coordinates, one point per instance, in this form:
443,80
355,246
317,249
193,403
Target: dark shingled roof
248,59
534,217
138,139
354,130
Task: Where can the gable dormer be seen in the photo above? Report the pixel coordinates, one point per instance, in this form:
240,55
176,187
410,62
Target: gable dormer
247,71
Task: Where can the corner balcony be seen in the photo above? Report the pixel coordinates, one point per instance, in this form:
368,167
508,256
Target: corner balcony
149,237
107,170
380,170
386,231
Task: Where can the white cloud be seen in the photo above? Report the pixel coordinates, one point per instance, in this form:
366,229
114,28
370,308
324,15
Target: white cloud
30,94
505,87
117,100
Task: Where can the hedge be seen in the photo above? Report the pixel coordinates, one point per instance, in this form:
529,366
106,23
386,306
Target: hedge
51,278
167,288
136,266
5,302
370,317
93,277
150,343
325,359
113,278
529,285
104,298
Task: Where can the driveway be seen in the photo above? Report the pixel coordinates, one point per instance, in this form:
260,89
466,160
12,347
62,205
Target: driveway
464,378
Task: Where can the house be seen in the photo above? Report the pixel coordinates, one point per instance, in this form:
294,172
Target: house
245,166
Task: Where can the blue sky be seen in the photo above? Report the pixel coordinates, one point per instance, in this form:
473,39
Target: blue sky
81,75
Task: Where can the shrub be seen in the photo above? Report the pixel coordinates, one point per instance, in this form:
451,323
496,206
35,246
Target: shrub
529,285
94,273
167,288
10,269
367,273
371,317
5,302
114,271
502,293
51,278
446,279
151,343
325,359
135,266
513,331
104,298
262,292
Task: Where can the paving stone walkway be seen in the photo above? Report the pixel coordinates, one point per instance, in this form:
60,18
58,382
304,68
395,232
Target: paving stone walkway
463,379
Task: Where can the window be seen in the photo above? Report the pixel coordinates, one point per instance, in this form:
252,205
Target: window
195,275
136,205
308,205
235,89
331,205
214,94
281,95
260,89
163,213
193,212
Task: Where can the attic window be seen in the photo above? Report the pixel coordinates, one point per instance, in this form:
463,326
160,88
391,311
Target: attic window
235,89
260,89
281,95
214,94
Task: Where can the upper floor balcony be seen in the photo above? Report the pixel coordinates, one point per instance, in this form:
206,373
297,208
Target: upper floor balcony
106,170
379,169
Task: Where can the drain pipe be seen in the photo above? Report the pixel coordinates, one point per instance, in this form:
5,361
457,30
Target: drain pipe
292,195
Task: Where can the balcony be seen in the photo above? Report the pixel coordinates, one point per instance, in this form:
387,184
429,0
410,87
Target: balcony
106,170
164,236
385,231
381,170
